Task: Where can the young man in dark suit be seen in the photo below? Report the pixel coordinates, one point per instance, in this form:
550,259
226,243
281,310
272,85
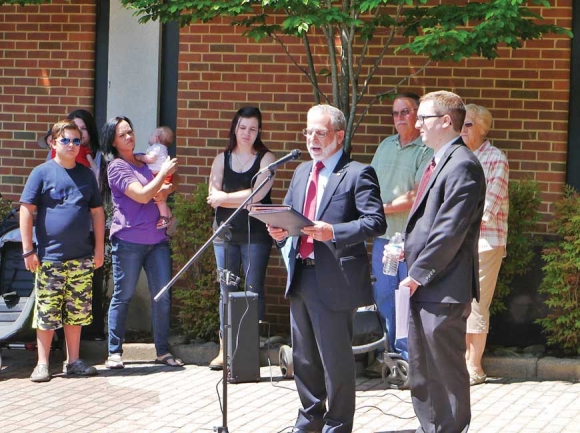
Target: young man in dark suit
441,252
328,270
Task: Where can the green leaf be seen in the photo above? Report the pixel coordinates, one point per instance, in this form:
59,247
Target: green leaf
440,32
197,291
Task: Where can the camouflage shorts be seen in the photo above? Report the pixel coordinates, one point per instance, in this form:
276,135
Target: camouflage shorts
64,294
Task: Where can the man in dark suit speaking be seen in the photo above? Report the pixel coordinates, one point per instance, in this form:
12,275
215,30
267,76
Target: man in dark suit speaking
328,270
441,252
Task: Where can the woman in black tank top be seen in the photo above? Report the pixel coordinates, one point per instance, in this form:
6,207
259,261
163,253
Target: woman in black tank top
230,185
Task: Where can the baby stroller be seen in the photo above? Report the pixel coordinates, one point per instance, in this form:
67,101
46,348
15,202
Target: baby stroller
16,285
369,336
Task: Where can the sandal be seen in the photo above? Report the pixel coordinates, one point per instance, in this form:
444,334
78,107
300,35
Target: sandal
170,360
476,379
163,222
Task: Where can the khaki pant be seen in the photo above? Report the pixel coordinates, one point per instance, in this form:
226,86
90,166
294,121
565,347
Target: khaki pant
489,265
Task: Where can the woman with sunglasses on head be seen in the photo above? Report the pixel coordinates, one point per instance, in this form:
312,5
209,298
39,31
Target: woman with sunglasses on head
492,235
89,140
231,178
135,241
90,152
90,155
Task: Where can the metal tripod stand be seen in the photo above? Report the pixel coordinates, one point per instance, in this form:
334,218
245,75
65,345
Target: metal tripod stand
228,279
218,233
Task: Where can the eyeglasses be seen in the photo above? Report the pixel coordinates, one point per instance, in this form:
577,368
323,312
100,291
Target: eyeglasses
468,124
421,118
67,141
403,113
320,133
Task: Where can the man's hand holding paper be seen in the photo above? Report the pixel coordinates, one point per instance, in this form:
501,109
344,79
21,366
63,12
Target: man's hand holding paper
277,233
320,231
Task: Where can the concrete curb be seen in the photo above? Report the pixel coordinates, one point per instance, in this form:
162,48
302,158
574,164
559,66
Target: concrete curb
198,354
515,367
96,351
202,354
550,368
539,368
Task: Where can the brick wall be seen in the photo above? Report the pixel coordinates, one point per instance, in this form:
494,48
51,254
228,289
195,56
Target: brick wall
527,91
46,71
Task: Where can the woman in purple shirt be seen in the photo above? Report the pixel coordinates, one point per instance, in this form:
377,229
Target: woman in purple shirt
135,241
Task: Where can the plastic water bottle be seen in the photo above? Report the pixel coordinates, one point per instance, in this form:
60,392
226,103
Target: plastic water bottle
393,254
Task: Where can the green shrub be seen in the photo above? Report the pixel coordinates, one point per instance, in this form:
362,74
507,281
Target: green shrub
5,207
197,291
524,197
562,277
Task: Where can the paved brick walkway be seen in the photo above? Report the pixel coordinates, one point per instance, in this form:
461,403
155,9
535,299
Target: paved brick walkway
145,397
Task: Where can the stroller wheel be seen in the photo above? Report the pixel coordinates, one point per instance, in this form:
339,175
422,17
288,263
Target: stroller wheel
285,362
397,377
403,373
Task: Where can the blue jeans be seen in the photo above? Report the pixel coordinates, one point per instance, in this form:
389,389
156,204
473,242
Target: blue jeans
128,259
384,294
254,259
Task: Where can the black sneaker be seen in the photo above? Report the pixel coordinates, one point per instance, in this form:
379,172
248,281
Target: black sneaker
79,368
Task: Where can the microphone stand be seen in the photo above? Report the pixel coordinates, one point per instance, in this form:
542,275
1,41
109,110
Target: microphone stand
228,279
219,232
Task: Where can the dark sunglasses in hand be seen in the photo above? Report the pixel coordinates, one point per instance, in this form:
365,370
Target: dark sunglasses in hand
66,141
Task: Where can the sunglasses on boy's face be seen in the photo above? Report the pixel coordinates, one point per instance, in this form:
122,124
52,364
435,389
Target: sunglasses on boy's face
67,141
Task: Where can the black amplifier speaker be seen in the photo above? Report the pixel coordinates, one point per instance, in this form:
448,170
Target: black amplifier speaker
243,338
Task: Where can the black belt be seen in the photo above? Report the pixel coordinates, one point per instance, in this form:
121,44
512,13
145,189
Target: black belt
305,262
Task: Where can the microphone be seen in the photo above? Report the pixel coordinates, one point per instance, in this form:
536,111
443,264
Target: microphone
295,154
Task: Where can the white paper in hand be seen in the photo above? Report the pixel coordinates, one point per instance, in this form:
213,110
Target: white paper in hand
402,299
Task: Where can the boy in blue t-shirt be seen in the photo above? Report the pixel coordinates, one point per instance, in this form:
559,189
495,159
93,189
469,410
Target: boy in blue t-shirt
66,199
